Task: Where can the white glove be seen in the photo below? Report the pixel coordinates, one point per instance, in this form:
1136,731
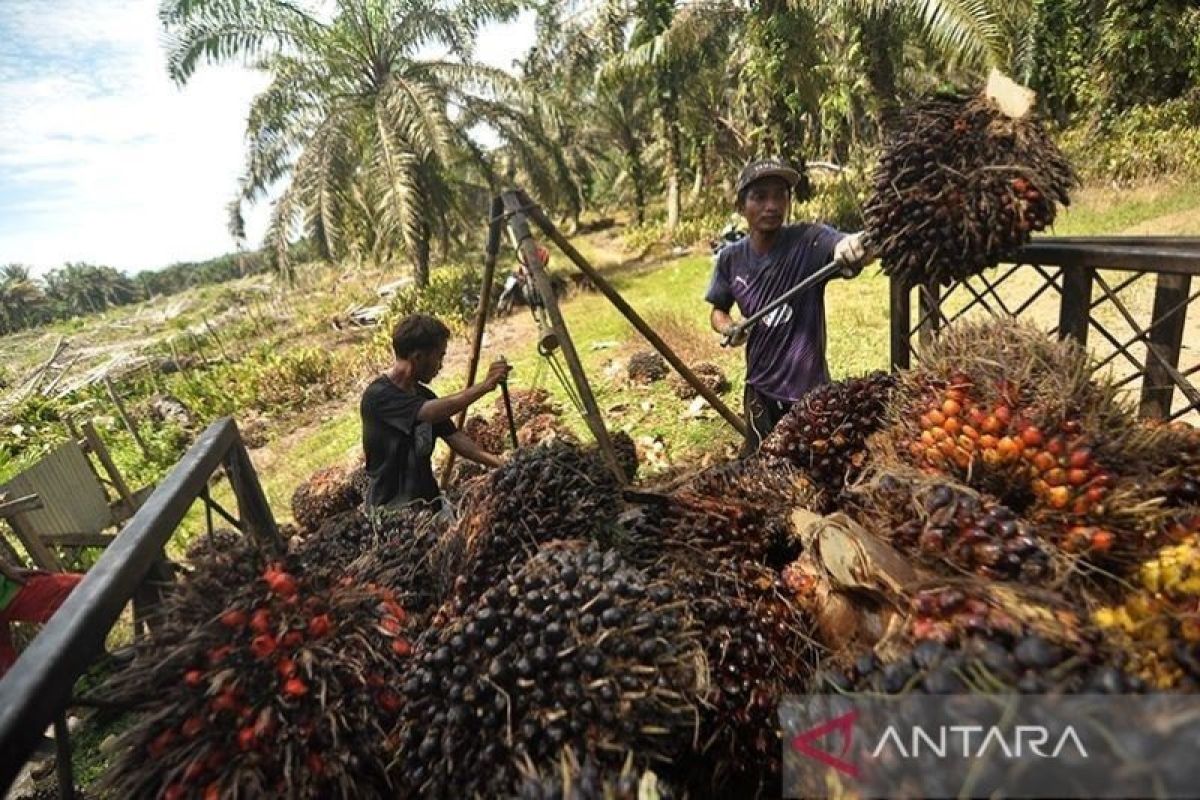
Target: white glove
851,252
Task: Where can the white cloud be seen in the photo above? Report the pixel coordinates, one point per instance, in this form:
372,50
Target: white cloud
103,159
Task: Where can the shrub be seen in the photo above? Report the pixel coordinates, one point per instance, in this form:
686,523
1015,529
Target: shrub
1143,143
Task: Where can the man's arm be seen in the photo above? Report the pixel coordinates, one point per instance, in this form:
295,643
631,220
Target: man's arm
14,574
443,408
465,446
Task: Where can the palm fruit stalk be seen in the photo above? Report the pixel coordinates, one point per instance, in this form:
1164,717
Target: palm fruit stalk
279,683
646,367
573,649
825,433
553,491
761,479
327,493
961,185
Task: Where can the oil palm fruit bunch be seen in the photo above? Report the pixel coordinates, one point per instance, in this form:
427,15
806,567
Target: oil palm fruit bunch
281,685
961,184
946,521
567,778
541,428
337,541
982,665
326,493
951,612
711,375
626,452
573,649
646,367
399,556
825,433
556,490
526,404
211,544
762,479
1159,621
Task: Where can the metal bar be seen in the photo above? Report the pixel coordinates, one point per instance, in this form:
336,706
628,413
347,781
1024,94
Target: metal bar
632,316
900,302
991,289
930,308
1050,282
515,204
1076,303
41,680
1120,287
1164,338
1139,366
491,253
979,298
212,505
1113,257
252,503
1184,242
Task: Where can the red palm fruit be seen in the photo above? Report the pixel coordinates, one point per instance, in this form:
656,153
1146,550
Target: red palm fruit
956,393
1102,541
260,621
976,416
1010,449
401,647
390,624
927,438
1077,476
193,772
951,408
1095,494
936,418
991,424
1080,457
292,639
174,791
286,667
989,442
193,678
1002,413
938,433
319,626
1039,487
952,426
1057,446
263,645
971,432
225,701
247,739
390,701
1031,436
218,654
1055,477
213,791
1044,462
192,726
924,421
234,618
294,687
1080,506
947,447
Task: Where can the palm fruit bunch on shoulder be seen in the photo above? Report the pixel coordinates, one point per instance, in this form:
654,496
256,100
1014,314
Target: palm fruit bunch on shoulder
646,367
942,520
569,778
326,493
573,649
825,433
711,375
1158,623
282,685
959,185
556,490
761,479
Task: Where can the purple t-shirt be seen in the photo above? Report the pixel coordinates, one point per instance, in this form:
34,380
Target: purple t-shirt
785,354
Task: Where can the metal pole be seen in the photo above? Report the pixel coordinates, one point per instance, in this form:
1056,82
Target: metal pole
253,507
516,205
634,319
62,743
495,230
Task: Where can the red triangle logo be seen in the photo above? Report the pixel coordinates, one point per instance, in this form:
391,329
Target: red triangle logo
805,743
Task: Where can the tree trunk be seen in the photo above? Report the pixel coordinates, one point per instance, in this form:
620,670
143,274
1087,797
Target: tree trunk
420,257
877,34
698,180
670,114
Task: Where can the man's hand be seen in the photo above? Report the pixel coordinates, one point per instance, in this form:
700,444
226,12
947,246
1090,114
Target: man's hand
852,253
496,373
739,339
14,574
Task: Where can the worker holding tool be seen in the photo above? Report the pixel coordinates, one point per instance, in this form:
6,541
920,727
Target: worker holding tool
401,416
785,350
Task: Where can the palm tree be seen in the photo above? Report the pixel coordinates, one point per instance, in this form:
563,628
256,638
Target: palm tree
22,302
357,121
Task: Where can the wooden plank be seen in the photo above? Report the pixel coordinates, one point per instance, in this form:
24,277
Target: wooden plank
126,420
1075,309
29,502
1166,337
71,498
42,556
900,317
98,447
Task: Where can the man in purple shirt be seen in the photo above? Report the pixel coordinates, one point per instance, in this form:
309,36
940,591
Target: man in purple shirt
785,352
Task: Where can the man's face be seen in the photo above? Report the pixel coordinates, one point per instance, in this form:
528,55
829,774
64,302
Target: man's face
428,363
766,204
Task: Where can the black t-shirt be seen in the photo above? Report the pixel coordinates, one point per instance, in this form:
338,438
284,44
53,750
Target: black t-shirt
398,445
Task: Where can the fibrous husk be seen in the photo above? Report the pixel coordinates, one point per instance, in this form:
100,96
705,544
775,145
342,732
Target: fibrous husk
711,375
825,433
760,479
573,649
327,493
261,679
960,186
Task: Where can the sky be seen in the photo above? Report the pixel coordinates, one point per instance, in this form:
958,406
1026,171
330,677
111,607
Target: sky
103,159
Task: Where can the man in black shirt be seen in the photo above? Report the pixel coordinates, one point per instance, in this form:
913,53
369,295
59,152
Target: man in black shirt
401,416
